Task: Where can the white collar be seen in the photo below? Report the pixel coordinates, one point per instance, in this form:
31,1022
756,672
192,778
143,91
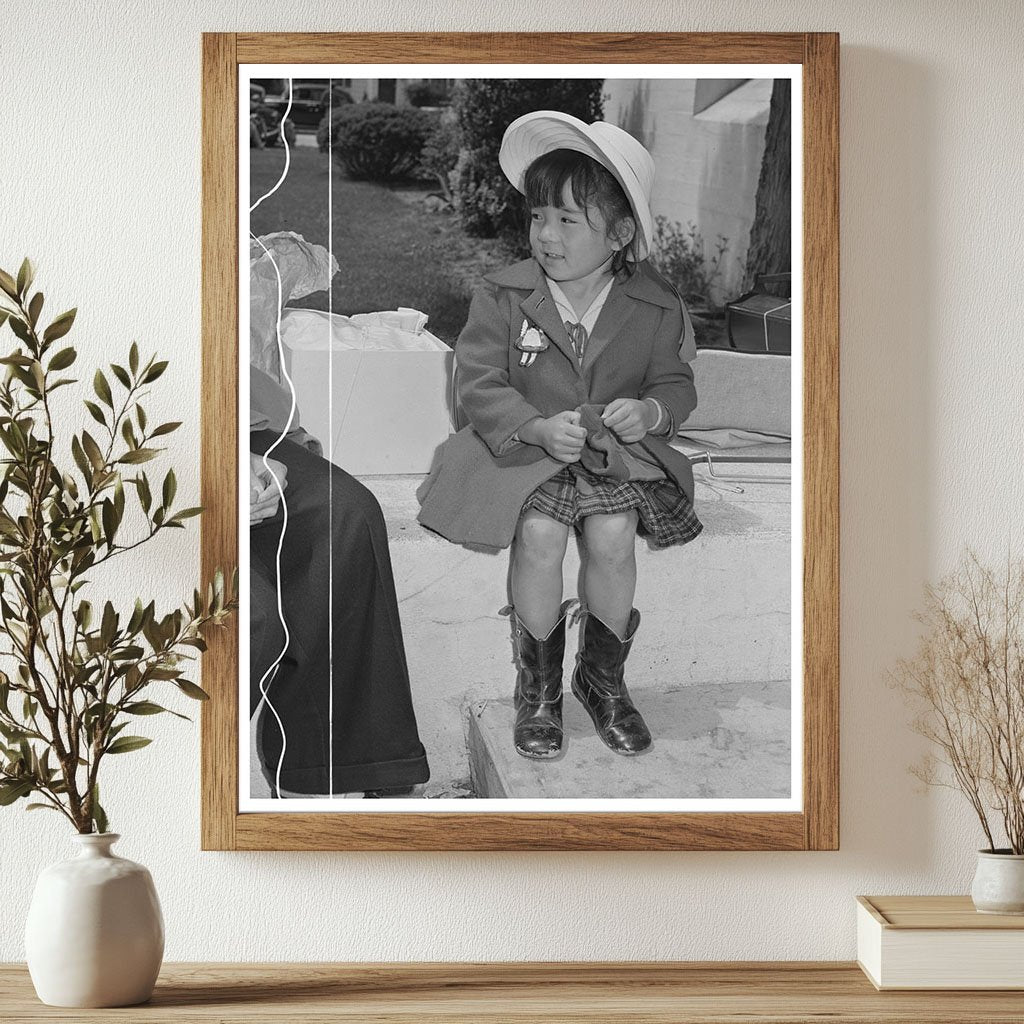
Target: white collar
566,311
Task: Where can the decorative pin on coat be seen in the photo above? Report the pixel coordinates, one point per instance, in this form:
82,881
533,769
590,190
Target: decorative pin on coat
531,341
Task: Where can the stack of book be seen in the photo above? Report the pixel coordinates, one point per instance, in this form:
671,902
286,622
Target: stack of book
938,942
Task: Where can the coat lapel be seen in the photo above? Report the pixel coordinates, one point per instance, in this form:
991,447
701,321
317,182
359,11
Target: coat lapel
620,307
614,314
540,309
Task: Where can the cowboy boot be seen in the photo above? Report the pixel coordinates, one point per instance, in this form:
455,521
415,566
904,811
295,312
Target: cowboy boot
598,684
538,696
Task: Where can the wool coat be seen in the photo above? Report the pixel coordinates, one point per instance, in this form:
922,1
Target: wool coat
640,347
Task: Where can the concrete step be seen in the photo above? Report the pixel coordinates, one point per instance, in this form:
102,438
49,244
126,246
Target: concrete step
714,612
711,741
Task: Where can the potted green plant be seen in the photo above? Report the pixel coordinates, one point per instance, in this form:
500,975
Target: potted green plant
81,671
967,682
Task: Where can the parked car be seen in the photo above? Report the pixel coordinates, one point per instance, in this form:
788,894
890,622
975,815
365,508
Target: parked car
309,101
265,120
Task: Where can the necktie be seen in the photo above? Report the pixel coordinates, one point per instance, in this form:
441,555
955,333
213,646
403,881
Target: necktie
578,336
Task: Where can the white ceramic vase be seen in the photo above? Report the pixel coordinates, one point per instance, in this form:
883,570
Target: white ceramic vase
999,883
95,933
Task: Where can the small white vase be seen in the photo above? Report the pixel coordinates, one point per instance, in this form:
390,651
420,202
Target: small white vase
999,883
95,933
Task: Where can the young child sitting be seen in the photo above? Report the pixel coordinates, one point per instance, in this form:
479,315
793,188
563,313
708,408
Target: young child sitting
585,331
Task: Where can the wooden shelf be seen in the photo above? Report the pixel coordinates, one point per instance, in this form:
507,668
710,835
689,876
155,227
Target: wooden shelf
650,993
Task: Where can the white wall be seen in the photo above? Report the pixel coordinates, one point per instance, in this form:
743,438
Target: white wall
708,155
100,183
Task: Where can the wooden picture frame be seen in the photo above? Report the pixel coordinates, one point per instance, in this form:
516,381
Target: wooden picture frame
816,825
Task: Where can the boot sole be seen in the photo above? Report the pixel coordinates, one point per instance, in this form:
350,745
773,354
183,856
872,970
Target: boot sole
615,750
541,757
533,756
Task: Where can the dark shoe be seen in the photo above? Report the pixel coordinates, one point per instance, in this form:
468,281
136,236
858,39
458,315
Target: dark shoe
598,684
538,697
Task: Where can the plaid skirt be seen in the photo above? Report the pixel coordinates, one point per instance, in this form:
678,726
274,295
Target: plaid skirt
665,515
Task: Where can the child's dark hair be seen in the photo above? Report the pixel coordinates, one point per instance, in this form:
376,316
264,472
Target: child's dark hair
591,184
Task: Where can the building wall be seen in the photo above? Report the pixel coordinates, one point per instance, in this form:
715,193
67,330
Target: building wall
707,140
931,377
362,89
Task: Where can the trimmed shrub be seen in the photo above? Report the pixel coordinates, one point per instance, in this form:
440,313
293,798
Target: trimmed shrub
428,94
377,141
484,107
486,203
341,97
439,157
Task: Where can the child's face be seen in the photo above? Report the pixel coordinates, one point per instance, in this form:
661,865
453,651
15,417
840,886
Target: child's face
568,241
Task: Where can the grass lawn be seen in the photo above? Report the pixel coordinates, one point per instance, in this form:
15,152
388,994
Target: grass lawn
391,250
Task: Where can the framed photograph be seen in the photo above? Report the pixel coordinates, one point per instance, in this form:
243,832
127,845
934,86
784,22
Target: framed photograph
539,338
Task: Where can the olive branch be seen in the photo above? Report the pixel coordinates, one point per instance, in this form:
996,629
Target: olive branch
80,675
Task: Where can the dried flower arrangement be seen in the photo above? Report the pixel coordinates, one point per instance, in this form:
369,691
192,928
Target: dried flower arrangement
967,680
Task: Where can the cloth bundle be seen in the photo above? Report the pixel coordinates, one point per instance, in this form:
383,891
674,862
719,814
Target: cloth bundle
605,455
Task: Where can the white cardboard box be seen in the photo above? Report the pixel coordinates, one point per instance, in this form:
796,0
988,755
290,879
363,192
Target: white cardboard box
377,397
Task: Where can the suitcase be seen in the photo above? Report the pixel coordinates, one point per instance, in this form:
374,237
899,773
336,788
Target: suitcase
759,321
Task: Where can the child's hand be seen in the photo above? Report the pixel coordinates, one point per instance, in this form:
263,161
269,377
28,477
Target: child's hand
629,418
561,435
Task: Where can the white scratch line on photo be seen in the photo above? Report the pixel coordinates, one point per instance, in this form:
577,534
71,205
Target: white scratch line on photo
330,438
287,156
271,671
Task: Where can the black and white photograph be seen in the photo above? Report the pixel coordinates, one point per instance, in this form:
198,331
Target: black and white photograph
524,372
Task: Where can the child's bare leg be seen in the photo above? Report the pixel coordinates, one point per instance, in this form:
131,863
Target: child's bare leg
609,580
537,556
598,681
